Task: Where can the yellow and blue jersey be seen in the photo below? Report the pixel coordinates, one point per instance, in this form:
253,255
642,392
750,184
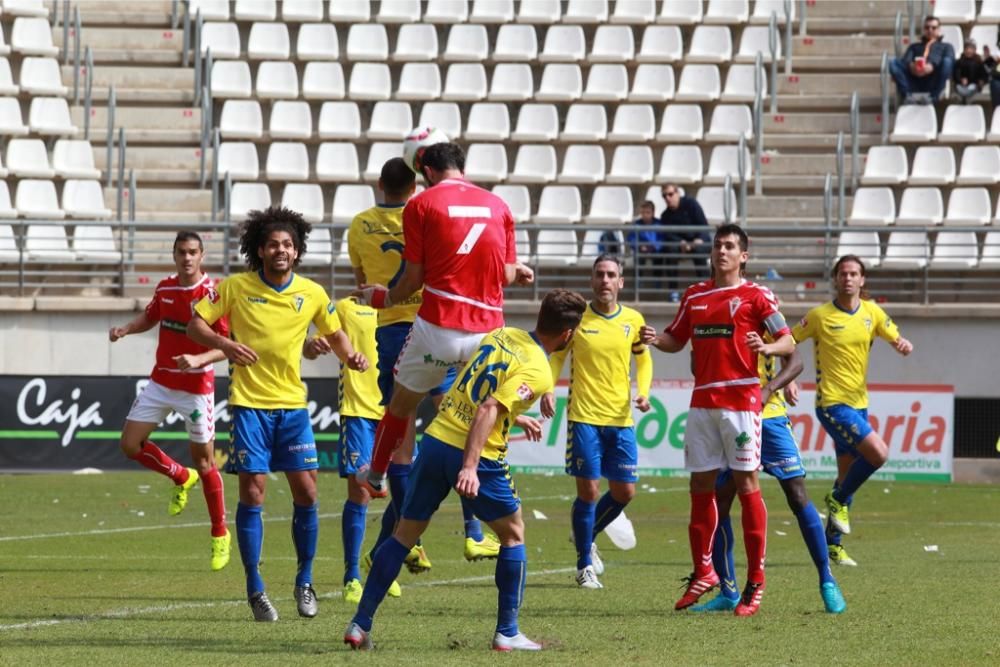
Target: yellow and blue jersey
768,369
843,342
375,245
600,385
272,320
511,367
358,394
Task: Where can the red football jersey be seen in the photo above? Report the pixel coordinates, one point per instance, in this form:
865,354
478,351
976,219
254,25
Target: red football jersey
172,306
717,321
463,235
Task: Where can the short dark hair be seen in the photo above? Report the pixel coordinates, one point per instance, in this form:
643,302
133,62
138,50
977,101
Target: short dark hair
732,229
607,257
443,156
258,228
931,17
561,309
186,235
648,204
848,258
397,178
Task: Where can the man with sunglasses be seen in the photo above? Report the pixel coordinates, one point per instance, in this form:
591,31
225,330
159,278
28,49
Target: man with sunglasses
926,66
684,211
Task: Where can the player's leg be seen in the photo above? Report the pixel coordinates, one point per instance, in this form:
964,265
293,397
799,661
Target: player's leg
849,428
199,420
834,537
356,435
619,463
723,556
583,462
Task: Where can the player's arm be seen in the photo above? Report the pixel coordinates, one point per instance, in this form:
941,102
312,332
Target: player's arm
340,344
467,483
664,342
774,323
886,328
643,377
378,296
359,277
201,332
188,361
139,324
518,274
556,361
791,368
783,346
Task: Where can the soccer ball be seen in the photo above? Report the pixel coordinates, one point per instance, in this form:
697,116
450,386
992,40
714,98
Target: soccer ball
416,141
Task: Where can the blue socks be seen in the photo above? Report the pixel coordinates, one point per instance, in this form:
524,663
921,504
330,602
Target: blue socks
607,511
399,476
305,532
723,559
385,569
473,528
857,474
511,573
811,526
250,536
352,526
583,531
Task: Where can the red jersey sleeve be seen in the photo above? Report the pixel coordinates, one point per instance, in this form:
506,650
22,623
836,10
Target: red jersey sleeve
221,327
680,328
770,318
413,234
508,223
153,308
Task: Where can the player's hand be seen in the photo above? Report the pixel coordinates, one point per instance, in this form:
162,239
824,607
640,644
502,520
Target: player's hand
117,333
186,362
642,404
523,275
531,427
375,296
792,393
548,405
240,354
903,346
357,362
756,343
316,347
647,334
467,483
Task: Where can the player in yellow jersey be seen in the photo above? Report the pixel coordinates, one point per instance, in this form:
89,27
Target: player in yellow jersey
465,447
601,431
844,331
270,309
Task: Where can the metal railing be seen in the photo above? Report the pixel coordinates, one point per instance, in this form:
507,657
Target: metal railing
758,122
885,91
65,29
76,55
88,89
741,168
803,16
840,179
855,130
109,139
215,174
897,34
121,169
788,36
772,38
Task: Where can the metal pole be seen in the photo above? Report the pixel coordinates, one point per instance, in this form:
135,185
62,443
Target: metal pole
186,40
772,35
131,216
227,222
197,50
215,173
802,18
207,76
76,55
758,121
828,200
205,127
727,204
855,129
65,27
121,168
110,139
788,36
88,93
884,76
840,178
121,262
897,34
911,26
173,14
741,166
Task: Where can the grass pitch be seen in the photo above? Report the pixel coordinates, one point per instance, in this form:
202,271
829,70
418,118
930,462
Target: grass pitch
93,571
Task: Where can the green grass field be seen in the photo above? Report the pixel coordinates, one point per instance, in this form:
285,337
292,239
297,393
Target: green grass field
93,571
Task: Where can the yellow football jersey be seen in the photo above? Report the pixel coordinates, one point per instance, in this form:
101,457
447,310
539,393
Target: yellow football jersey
768,368
842,345
358,393
509,366
273,321
600,384
375,245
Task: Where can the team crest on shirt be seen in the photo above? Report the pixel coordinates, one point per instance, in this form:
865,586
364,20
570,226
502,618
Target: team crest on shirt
242,456
734,305
354,458
299,300
330,307
868,324
803,323
628,329
525,393
213,295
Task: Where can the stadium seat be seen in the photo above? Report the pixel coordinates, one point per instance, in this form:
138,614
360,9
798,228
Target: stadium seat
757,39
241,119
699,83
466,43
933,165
740,84
610,204
25,8
320,250
906,251
238,159
317,41
729,123
37,199
211,10
32,36
268,41
633,122
556,247
246,197
631,164
445,116
27,158
277,80
370,81
635,12
963,124
522,242
681,12
536,122
762,10
652,83
50,116
612,44
367,41
597,242
9,254
486,163
419,81
989,10
955,11
873,206
586,11
724,161
915,123
980,166
516,43
255,10
518,200
223,39
10,117
287,161
378,154
231,78
885,165
712,203
47,243
710,44
297,11
582,165
680,164
416,42
654,194
534,164
74,158
512,82
4,48
991,250
955,250
492,11
344,256
585,122
606,83
290,120
561,83
337,162
84,199
41,76
952,34
563,44
465,82
544,12
920,206
969,206
681,122
349,200
323,81
446,11
339,120
661,44
390,120
862,244
488,121
398,11
727,12
7,85
307,199
95,244
350,11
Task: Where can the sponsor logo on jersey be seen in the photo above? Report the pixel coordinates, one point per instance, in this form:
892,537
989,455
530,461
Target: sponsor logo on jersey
590,331
256,299
701,307
713,331
213,295
742,440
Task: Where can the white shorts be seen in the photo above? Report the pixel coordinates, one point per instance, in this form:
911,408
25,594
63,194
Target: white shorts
156,402
428,353
715,439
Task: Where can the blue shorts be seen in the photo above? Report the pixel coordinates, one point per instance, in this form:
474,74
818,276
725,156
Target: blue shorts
357,437
593,452
434,475
389,340
846,425
271,441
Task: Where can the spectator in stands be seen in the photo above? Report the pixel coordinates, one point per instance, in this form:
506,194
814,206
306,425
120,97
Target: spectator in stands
970,73
647,246
990,63
925,68
684,211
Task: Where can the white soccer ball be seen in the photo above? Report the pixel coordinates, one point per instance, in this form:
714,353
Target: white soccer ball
417,140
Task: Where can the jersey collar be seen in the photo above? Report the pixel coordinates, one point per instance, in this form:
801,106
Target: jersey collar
391,205
844,310
276,288
600,314
539,343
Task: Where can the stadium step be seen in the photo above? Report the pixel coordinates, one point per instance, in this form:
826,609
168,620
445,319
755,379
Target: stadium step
833,9
814,142
165,204
163,125
766,206
811,46
799,123
119,12
163,85
128,45
828,84
171,164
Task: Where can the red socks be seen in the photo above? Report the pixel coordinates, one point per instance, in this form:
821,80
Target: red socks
701,530
388,436
155,459
754,534
211,485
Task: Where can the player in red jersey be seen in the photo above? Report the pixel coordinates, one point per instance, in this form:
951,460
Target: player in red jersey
182,381
724,318
459,246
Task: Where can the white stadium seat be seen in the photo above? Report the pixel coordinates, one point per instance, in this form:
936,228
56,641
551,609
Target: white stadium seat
416,42
560,83
74,158
983,35
955,11
631,164
370,81
28,158
728,12
634,12
545,12
25,8
512,82
277,80
757,39
210,10
84,199
610,204
862,244
729,123
367,41
466,43
42,76
906,251
963,124
518,200
563,44
239,159
712,200
699,83
486,163
762,10
390,120
349,200
606,83
586,11
307,199
585,122
915,123
378,154
268,41
612,44
350,11
661,44
885,165
724,161
32,37
933,165
633,122
47,243
37,199
681,12
991,251
337,162
488,121
7,85
320,249
980,166
710,44
246,197
955,251
990,11
290,120
681,122
398,11
287,161
920,206
419,81
295,11
446,11
559,203
534,164
323,81
873,206
680,164
741,84
241,119
231,78
339,120
652,83
317,41
445,116
516,43
465,82
536,122
50,116
95,244
582,164
223,39
492,11
969,206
